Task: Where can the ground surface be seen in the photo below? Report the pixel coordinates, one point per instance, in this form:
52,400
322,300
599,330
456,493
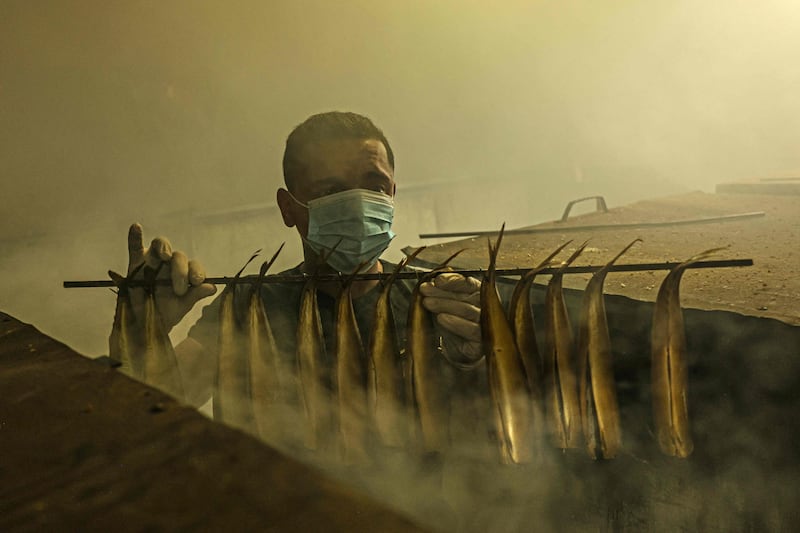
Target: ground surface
770,288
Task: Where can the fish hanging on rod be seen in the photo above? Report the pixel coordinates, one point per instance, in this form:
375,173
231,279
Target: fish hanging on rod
313,371
508,386
266,379
124,345
313,367
669,367
231,401
385,392
351,377
520,316
423,372
597,391
160,366
560,381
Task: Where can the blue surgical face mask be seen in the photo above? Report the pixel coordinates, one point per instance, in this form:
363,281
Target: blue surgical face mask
361,219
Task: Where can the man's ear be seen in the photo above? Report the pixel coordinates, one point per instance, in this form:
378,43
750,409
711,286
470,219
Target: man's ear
286,205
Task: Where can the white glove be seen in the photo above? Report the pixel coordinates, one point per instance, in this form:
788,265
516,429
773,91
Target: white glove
187,277
455,300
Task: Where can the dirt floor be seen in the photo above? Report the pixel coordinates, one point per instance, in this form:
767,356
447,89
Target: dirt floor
770,288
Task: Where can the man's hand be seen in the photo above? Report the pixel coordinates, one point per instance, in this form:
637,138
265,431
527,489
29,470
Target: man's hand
187,276
455,300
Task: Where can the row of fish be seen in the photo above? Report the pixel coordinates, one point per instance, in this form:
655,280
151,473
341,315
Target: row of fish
144,349
398,398
568,392
373,396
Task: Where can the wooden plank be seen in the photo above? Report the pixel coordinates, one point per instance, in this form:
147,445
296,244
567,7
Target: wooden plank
83,447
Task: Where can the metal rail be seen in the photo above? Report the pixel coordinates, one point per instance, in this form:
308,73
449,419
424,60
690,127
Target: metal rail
284,278
564,229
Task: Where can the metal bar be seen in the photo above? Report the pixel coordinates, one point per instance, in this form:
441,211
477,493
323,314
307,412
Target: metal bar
600,206
562,229
281,278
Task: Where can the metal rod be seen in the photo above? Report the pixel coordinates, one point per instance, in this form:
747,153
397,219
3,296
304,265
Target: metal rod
562,229
285,278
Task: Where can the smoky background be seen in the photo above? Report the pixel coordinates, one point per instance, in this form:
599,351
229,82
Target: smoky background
174,114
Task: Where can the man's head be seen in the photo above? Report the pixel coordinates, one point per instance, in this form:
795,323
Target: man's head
331,126
329,153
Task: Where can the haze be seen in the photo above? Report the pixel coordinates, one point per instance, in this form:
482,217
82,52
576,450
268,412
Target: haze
175,114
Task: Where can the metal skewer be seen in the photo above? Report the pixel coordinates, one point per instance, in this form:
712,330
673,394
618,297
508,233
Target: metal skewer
283,278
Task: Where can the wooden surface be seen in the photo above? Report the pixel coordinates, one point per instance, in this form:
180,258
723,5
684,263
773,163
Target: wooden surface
770,288
84,448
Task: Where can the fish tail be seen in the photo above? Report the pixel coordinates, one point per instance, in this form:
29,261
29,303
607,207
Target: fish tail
439,268
122,281
699,257
119,280
150,276
403,263
268,264
622,252
493,250
707,253
547,260
573,257
255,254
348,280
325,255
447,261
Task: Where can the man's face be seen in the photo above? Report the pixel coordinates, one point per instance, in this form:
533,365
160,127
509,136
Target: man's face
336,166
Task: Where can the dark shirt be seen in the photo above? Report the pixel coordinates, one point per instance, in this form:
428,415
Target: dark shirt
468,388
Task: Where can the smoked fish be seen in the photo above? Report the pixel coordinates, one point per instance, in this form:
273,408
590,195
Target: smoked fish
312,367
231,402
351,378
520,316
264,358
669,367
160,366
124,345
508,386
423,370
560,381
599,409
385,392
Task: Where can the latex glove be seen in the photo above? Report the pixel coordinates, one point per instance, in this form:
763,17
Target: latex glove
187,276
455,300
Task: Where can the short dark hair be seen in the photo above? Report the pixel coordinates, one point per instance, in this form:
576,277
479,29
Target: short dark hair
328,126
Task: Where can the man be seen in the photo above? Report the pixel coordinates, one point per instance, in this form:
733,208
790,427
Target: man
339,175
